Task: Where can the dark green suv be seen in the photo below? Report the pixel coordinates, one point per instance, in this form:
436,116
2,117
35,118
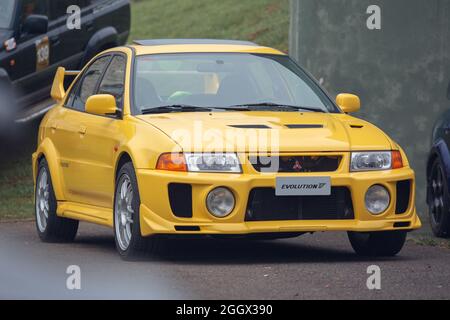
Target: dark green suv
37,36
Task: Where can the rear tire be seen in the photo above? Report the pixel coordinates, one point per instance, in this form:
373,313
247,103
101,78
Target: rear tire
439,200
127,229
50,227
378,244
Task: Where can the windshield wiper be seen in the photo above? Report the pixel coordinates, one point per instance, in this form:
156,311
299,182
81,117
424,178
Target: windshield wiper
276,106
174,108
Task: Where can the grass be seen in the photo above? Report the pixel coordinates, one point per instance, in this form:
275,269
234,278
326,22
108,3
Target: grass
16,189
428,241
16,182
263,21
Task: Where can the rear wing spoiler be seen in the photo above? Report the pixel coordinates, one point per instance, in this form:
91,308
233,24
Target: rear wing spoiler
58,91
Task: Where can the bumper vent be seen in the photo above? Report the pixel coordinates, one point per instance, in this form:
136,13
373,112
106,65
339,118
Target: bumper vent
180,196
264,205
403,196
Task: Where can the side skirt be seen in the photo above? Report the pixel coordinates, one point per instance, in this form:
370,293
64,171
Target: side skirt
87,213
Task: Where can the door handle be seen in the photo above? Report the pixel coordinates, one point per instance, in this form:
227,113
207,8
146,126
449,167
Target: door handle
82,130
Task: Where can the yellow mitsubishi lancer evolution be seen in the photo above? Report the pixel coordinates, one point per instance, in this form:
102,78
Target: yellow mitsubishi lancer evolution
214,138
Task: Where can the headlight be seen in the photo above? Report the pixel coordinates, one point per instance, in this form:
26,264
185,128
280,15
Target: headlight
213,162
377,199
371,161
220,202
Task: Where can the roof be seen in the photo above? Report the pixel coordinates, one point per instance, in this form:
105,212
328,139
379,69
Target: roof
164,42
161,46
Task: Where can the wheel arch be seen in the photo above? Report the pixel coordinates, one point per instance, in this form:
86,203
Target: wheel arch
47,151
440,151
123,158
4,77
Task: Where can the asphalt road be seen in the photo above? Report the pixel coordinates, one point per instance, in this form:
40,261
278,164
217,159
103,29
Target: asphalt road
320,266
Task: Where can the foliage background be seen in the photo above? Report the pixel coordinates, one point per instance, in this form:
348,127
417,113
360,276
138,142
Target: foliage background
263,21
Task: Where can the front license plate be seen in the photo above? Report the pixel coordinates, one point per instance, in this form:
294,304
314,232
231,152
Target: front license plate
303,186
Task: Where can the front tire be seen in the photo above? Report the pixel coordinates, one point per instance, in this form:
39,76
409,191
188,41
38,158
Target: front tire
378,244
439,200
127,230
50,227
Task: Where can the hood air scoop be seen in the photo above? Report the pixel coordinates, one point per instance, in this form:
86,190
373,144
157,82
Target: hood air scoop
304,126
250,126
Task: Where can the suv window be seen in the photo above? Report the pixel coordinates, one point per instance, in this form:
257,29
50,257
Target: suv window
30,7
6,13
87,85
113,82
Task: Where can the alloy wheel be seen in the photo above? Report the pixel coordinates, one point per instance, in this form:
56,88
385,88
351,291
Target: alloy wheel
42,200
124,213
437,189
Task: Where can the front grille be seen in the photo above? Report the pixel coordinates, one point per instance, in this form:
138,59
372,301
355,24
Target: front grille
403,196
286,164
264,205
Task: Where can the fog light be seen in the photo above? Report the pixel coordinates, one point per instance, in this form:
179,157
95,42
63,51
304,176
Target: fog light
377,199
220,202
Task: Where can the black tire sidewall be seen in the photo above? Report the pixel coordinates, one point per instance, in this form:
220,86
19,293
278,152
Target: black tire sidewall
52,201
132,250
381,244
441,229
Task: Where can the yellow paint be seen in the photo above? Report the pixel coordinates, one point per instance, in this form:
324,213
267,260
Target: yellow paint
349,103
83,151
101,104
58,92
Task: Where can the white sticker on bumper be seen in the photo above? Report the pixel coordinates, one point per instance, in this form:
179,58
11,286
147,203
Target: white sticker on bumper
303,186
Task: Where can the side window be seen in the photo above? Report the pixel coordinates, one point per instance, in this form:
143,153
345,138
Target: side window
113,82
87,84
30,7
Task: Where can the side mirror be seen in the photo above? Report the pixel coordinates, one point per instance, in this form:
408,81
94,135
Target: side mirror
102,104
35,24
349,103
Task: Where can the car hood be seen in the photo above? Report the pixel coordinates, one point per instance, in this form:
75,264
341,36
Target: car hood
269,131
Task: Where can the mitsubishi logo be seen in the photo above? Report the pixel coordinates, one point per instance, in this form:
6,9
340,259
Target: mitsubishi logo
297,166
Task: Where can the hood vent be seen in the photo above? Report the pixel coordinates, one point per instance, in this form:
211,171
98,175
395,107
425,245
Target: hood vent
356,126
250,126
304,126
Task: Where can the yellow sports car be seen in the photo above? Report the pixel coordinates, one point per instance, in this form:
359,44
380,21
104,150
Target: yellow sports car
214,138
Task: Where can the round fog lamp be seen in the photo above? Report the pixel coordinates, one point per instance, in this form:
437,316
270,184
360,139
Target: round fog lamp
377,199
220,202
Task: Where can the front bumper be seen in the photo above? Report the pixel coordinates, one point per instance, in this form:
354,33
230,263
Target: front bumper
156,216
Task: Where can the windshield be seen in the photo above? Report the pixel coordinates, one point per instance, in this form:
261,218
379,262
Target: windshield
6,13
225,80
